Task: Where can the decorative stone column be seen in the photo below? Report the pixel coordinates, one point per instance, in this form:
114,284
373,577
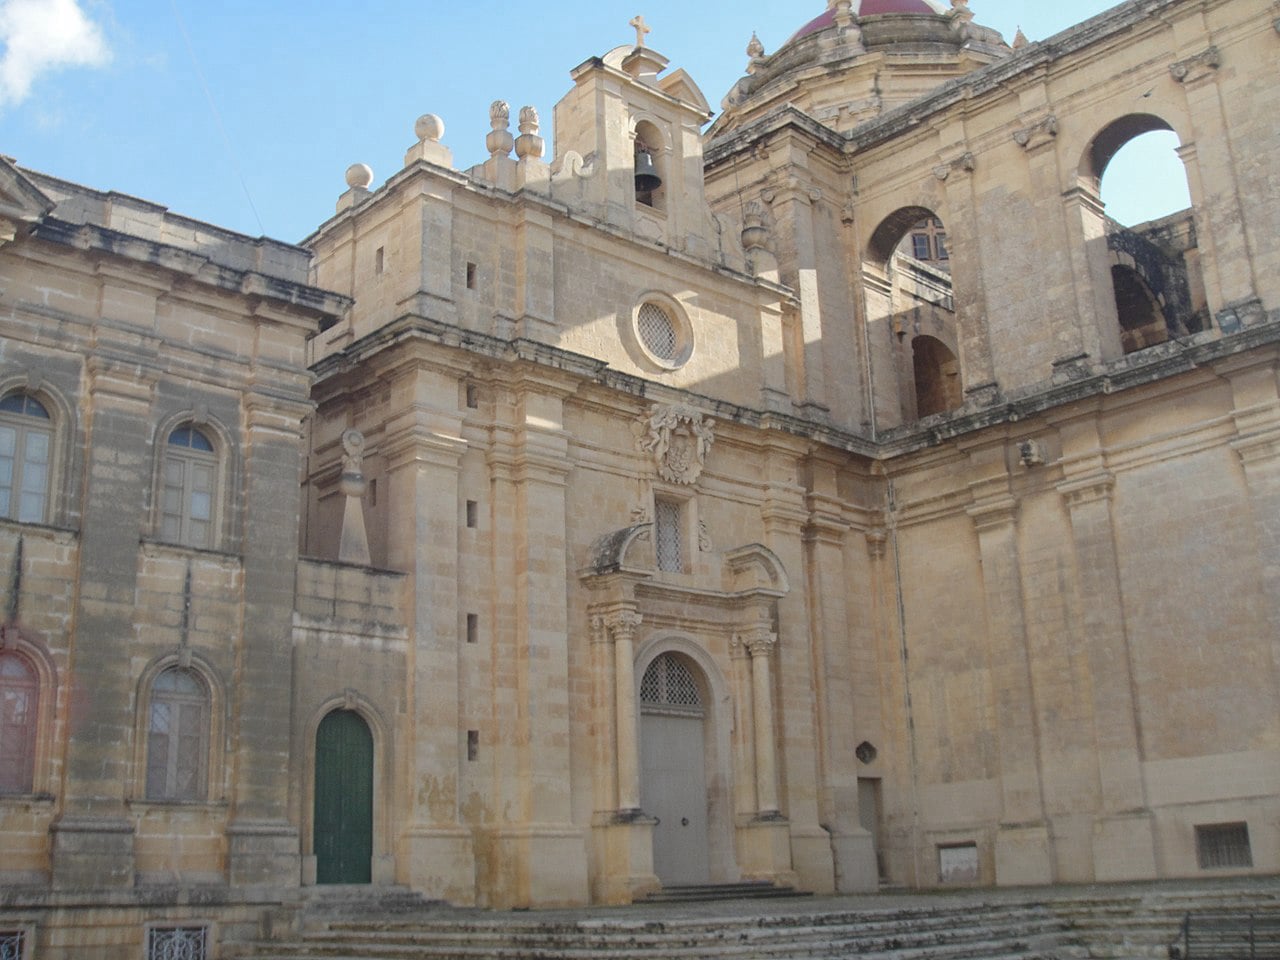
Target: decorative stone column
353,546
759,644
622,629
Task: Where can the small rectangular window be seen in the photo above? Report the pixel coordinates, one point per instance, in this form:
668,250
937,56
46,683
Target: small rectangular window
373,493
471,276
940,240
473,744
190,943
473,396
668,536
473,514
1223,846
473,628
377,260
920,246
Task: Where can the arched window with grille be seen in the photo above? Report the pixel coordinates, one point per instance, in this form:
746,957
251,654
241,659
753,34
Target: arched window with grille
19,703
189,489
26,453
178,736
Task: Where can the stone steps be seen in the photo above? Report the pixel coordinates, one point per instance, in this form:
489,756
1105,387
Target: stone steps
1125,922
710,892
910,935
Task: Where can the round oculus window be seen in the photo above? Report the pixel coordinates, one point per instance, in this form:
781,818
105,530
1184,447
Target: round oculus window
663,335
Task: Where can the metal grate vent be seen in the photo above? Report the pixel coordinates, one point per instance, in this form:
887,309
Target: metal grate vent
1222,845
178,943
657,332
11,944
669,683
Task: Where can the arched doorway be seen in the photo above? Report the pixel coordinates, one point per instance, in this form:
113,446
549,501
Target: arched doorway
673,776
343,824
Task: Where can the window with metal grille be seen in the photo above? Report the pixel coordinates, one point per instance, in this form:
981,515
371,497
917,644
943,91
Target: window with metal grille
12,943
920,246
668,684
178,943
26,446
177,736
1220,845
668,536
188,495
657,331
19,695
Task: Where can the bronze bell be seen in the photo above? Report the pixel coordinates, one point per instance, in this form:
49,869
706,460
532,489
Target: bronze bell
647,179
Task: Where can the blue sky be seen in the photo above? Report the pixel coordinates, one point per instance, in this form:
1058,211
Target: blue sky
246,113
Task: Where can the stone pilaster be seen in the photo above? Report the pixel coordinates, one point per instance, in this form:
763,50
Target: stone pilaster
852,846
622,627
792,206
423,449
536,843
784,516
1023,854
1256,399
93,836
262,843
1220,211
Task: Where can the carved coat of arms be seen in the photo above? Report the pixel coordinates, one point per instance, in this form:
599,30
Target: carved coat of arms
679,438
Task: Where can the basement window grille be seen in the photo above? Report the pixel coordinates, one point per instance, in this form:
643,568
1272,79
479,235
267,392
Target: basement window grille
12,944
178,943
1223,846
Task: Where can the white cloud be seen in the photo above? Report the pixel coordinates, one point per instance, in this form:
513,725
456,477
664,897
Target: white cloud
43,35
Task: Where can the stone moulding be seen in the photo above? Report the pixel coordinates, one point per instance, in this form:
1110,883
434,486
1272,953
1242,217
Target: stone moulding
1198,67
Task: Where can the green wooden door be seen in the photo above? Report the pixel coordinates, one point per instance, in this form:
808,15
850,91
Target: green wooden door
344,799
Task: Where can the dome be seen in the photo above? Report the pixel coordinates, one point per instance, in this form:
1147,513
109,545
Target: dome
871,8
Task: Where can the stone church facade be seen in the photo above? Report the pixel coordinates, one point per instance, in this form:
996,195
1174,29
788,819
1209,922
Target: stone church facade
551,531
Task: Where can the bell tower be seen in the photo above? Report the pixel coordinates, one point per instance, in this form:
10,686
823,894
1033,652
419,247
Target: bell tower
637,133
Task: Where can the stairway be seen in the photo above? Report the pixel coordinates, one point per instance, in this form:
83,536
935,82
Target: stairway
1099,922
710,892
998,933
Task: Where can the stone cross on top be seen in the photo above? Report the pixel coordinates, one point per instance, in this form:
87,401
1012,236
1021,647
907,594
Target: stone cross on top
641,29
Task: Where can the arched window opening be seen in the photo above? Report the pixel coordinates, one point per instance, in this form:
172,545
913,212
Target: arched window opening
26,451
909,307
1142,320
188,497
178,737
1150,231
937,376
19,702
650,172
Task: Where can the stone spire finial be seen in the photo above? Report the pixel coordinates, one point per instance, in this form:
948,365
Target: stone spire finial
358,176
529,145
960,10
755,49
641,29
429,129
499,141
1020,39
844,11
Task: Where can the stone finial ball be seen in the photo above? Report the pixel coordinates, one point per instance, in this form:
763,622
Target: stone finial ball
359,176
429,127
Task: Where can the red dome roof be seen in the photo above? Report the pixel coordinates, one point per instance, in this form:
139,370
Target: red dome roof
871,8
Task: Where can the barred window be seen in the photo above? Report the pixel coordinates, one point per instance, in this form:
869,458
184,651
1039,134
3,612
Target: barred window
1223,845
178,943
657,331
178,736
670,683
19,697
188,491
26,448
12,943
667,535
